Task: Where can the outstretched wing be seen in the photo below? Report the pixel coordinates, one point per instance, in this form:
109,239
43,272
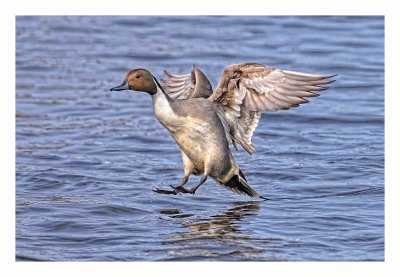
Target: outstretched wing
245,90
193,85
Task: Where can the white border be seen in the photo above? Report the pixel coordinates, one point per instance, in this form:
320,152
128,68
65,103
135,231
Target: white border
197,7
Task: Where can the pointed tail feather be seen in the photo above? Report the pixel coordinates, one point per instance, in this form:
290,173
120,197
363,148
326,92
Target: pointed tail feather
239,184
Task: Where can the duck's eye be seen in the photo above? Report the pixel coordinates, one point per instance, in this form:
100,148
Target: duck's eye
137,76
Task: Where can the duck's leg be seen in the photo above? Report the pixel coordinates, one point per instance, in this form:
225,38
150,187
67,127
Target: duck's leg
188,169
180,187
193,190
177,189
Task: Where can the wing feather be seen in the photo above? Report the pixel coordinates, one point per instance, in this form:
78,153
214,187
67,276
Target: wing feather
245,90
193,85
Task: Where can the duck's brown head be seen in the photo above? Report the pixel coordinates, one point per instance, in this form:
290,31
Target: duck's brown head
138,79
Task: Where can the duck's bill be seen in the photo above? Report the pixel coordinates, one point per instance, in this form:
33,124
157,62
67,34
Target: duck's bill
123,86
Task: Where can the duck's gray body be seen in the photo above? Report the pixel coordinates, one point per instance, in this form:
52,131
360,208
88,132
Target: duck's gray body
196,126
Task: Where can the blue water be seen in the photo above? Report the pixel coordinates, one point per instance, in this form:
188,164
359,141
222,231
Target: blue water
87,160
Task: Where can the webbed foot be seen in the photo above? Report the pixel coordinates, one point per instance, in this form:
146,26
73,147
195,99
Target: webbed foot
175,190
181,189
162,191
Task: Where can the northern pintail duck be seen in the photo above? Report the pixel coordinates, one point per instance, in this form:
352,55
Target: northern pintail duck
203,122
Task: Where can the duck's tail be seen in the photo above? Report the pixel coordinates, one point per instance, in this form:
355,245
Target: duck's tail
239,184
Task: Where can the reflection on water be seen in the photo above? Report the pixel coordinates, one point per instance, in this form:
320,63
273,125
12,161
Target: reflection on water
222,225
218,235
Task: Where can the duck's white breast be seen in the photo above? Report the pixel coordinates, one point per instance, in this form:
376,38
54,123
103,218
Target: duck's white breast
163,111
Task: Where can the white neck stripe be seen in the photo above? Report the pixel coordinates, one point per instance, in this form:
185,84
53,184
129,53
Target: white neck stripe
159,89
